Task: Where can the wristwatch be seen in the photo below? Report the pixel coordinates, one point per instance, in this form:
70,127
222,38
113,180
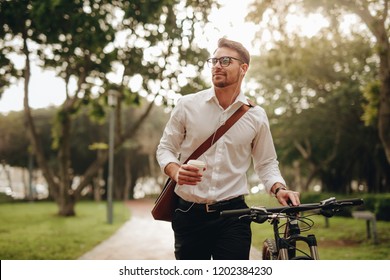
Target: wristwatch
278,189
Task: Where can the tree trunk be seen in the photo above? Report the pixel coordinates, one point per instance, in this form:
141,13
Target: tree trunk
384,98
31,129
127,166
297,176
98,182
66,205
66,200
313,172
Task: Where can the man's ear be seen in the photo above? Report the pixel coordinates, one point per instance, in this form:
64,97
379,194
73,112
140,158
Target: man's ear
244,68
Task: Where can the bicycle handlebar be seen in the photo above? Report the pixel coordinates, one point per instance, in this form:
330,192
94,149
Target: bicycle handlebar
324,205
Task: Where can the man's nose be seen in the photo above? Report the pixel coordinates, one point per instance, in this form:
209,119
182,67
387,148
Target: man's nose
218,63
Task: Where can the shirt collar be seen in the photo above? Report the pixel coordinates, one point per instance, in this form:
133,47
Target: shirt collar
240,98
210,94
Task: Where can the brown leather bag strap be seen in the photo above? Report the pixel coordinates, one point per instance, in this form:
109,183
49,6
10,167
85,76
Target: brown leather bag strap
221,130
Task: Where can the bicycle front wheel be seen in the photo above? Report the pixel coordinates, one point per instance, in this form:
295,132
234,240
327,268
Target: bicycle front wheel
269,250
302,258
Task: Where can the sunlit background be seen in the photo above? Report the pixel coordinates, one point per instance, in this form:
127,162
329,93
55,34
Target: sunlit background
270,39
228,21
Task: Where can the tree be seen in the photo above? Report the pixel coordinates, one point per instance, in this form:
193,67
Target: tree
81,46
374,14
137,156
314,84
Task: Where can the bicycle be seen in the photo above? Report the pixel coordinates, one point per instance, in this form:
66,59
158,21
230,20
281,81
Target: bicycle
284,244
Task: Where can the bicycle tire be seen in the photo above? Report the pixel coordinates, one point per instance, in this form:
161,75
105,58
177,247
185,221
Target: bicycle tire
269,250
302,258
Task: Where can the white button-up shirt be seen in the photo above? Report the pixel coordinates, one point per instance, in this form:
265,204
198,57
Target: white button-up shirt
193,120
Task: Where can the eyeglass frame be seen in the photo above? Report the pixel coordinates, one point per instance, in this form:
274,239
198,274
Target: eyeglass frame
211,59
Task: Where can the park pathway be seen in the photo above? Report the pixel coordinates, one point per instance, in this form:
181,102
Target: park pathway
140,238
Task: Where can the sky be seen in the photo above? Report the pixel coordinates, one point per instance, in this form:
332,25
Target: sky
48,90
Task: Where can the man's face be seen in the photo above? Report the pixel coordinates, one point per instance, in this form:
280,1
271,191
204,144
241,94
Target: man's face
223,76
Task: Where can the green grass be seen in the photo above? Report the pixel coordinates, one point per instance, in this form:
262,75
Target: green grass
344,239
33,231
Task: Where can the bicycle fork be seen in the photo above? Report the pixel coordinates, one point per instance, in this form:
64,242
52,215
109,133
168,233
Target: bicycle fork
287,245
287,249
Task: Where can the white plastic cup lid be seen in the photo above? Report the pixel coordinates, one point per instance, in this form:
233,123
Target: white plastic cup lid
198,163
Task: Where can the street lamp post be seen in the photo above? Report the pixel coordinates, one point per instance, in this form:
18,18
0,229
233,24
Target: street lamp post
112,102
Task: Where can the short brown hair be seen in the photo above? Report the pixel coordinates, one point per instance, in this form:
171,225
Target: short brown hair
238,47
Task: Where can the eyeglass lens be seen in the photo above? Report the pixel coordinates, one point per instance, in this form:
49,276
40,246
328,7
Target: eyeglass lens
223,61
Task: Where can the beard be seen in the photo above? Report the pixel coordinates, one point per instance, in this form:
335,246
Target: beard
222,81
220,84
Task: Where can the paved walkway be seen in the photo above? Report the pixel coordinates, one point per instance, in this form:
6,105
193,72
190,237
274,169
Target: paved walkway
140,238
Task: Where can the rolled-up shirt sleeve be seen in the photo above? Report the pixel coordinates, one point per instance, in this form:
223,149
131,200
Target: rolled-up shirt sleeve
168,149
264,155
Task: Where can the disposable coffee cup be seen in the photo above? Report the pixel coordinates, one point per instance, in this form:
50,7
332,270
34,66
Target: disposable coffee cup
199,164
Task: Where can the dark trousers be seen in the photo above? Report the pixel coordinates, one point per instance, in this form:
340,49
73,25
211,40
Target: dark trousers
202,236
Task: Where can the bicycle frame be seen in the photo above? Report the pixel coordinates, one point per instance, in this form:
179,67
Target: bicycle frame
286,245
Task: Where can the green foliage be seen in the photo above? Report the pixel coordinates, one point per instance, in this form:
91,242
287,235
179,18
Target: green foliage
145,45
88,137
371,95
383,209
98,146
313,87
378,204
13,140
5,198
7,71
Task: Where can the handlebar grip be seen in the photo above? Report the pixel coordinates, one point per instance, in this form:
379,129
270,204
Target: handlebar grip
236,212
351,202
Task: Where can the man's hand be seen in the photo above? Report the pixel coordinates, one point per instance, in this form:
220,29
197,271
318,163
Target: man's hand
183,174
287,197
284,196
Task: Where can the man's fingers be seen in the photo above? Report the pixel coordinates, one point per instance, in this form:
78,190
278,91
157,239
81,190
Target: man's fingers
189,175
293,197
289,198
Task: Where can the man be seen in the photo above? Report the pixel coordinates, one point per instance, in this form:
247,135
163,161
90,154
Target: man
200,233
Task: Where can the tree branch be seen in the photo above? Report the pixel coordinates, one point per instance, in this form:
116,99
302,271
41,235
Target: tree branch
32,131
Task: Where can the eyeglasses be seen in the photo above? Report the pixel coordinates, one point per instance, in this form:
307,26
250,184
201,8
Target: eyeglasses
224,61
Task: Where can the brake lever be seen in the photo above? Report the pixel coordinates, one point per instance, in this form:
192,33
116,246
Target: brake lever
327,201
259,214
325,211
